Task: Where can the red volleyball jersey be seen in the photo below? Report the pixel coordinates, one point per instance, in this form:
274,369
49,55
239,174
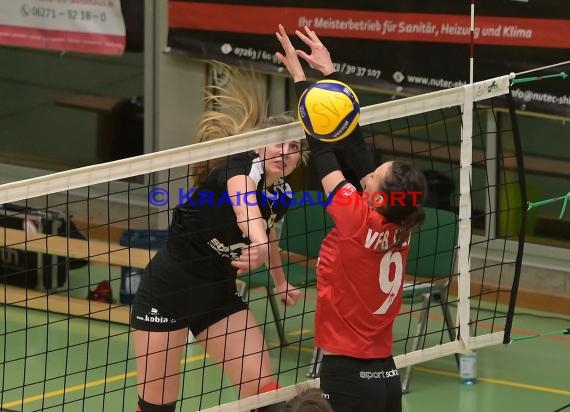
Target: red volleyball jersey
359,279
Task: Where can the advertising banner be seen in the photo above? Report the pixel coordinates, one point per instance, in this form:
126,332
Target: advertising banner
87,26
409,46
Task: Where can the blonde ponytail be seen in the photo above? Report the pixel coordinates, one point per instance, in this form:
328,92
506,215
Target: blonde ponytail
235,103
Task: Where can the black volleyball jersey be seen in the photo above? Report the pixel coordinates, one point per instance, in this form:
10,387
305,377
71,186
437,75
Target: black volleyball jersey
206,223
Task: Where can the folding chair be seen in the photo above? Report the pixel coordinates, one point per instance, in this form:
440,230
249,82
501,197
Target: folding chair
304,228
431,262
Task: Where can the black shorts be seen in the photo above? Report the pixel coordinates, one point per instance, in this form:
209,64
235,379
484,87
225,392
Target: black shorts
176,294
361,385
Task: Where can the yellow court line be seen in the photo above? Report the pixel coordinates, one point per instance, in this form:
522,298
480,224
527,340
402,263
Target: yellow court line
88,385
202,357
110,379
497,381
299,332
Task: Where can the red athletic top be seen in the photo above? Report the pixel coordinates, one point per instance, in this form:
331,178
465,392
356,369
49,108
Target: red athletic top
359,279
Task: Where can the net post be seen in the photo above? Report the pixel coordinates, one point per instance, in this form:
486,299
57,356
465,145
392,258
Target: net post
464,241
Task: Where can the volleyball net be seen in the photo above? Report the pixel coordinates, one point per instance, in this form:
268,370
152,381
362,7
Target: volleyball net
72,245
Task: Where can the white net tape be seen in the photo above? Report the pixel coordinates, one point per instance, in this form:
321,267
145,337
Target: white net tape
460,96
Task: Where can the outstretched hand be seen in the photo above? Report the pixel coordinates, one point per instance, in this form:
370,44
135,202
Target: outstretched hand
290,59
319,58
287,293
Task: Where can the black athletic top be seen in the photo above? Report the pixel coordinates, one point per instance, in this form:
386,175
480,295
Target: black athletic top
205,226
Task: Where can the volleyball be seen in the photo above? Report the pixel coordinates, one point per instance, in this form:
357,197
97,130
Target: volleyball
329,110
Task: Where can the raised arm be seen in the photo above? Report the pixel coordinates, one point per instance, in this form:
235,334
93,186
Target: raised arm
289,59
325,159
354,148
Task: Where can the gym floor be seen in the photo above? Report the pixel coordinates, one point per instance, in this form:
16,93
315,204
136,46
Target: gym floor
45,356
